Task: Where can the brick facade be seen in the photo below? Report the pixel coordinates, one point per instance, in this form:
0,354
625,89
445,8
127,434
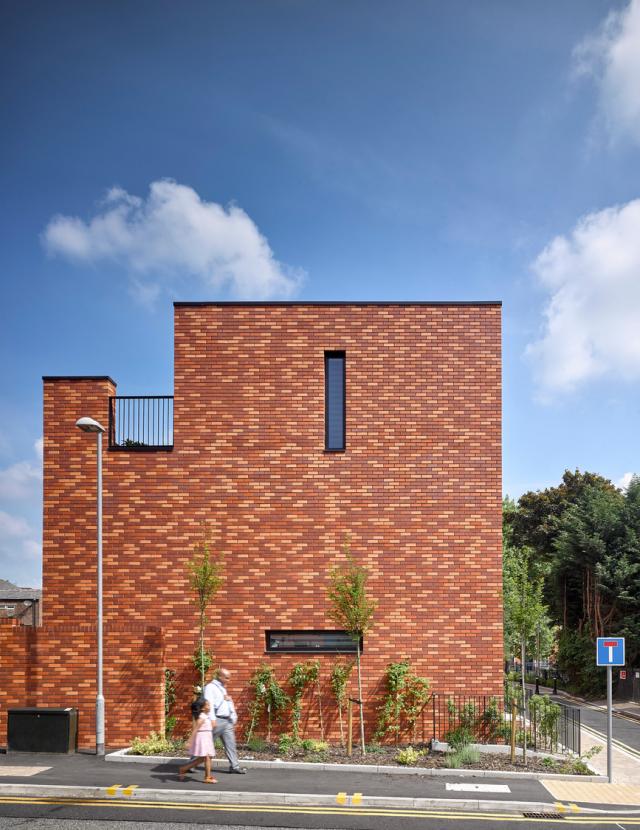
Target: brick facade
418,489
54,666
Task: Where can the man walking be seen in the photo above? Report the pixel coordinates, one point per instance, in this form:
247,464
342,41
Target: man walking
224,711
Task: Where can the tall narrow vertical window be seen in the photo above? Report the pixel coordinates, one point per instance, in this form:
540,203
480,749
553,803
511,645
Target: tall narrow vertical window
334,400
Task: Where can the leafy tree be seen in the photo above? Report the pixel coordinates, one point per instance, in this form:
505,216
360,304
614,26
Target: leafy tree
524,610
352,610
584,536
589,532
205,579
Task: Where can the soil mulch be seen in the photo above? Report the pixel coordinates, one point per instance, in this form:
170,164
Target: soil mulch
384,756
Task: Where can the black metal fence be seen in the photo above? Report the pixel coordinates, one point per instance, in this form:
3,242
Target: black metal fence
550,727
140,423
478,718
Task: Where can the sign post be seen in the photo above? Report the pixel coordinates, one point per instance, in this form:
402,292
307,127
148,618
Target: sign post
610,652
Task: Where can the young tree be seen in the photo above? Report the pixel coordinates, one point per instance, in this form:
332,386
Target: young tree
524,611
352,610
340,674
205,578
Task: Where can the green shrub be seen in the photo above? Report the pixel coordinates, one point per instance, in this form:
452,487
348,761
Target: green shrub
579,766
256,744
154,744
310,745
492,720
170,725
468,755
375,748
286,743
549,763
409,756
459,737
454,761
316,757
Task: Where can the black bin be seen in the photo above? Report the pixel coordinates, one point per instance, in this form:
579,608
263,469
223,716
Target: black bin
42,730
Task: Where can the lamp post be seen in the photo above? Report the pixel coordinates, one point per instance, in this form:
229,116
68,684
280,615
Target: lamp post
89,425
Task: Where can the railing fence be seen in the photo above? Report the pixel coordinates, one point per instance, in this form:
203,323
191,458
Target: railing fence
143,422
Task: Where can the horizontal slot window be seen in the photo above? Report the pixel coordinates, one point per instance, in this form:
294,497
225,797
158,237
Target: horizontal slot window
310,641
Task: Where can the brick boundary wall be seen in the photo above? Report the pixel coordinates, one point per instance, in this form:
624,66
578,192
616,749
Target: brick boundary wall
54,666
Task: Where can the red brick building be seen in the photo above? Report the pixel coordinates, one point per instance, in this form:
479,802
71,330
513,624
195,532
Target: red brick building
291,425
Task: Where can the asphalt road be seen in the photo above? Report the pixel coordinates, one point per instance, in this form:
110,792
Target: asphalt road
626,731
56,817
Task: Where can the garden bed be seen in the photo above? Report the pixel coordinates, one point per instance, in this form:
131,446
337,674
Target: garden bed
493,759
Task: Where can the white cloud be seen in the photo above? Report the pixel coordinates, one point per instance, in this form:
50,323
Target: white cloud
612,57
38,446
20,481
20,551
591,324
174,236
623,482
13,525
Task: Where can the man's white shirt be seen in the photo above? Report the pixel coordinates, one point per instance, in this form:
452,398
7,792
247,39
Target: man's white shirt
215,693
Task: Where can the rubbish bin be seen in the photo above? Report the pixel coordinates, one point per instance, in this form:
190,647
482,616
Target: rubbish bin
42,730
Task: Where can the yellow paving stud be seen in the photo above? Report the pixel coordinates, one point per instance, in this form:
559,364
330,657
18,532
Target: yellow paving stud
341,798
357,799
129,790
560,808
114,789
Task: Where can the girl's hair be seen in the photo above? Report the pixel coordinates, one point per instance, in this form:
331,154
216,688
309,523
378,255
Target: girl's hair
197,706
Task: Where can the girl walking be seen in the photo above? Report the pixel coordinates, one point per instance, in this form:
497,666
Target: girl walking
200,745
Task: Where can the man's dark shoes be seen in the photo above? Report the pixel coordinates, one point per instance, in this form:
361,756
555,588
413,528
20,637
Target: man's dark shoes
238,770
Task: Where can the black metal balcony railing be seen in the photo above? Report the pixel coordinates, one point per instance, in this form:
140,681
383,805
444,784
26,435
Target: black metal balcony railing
139,423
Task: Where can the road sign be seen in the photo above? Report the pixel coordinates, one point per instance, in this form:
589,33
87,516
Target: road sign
623,675
610,651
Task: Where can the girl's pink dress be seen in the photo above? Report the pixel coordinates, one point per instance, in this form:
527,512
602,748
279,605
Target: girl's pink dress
201,743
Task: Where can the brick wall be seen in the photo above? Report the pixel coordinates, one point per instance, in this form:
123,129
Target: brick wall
54,666
418,489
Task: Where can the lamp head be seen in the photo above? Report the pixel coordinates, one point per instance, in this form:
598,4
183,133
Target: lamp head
89,425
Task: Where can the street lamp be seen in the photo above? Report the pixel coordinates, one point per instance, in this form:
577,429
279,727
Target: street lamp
89,425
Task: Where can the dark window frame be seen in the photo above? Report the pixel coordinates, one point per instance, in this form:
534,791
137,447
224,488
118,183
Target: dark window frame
309,632
328,355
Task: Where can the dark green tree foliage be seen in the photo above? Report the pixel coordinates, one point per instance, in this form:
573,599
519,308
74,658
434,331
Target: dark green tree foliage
585,536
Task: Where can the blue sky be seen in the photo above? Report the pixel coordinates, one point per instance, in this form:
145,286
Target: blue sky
313,149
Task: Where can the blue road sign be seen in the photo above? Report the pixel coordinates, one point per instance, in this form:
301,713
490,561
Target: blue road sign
610,651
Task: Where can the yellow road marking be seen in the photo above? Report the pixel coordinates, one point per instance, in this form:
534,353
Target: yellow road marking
560,808
129,790
574,808
113,789
341,798
381,812
357,799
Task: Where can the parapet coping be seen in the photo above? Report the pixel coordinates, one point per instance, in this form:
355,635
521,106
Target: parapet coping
78,377
353,303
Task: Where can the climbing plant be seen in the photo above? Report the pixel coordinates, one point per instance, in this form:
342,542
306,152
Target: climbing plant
407,695
301,676
268,697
